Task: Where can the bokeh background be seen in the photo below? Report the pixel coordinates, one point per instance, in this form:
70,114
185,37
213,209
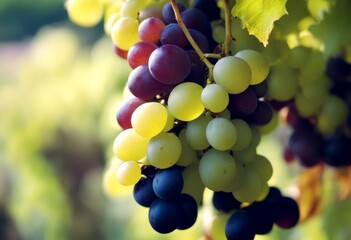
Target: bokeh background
60,85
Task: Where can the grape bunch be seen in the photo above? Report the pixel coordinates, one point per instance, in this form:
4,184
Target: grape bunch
193,120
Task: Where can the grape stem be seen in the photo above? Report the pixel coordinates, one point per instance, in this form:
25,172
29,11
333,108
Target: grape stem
228,34
192,41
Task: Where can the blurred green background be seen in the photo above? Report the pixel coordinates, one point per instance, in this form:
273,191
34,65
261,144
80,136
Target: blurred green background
60,86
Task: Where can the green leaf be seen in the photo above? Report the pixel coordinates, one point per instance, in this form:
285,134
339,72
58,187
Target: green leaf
334,30
258,16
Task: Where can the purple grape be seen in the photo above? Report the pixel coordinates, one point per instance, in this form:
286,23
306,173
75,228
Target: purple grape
241,226
164,215
168,183
195,19
169,64
287,212
262,115
143,193
173,34
142,84
168,13
200,40
242,104
189,211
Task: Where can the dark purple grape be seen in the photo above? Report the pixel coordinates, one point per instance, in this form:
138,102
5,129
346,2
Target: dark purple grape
225,201
262,115
189,210
209,7
200,40
287,213
164,215
262,215
168,183
139,53
125,111
338,69
260,89
173,34
337,150
196,19
241,226
169,64
168,13
242,104
143,192
144,86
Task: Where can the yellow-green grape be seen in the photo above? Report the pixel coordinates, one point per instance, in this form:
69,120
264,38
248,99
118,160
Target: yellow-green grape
188,154
221,134
334,112
129,145
264,193
193,184
128,173
271,125
237,179
109,22
218,32
258,64
149,119
217,227
215,98
246,155
163,150
233,73
317,90
305,106
250,188
131,8
125,32
85,13
256,136
282,83
110,184
184,101
244,134
314,67
196,132
170,122
225,114
262,166
298,56
217,169
276,51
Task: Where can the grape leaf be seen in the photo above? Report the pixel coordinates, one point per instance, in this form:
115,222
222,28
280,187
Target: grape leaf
258,16
334,30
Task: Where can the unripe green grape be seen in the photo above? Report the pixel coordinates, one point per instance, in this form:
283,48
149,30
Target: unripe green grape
163,150
233,73
305,106
282,83
250,189
193,184
196,133
218,33
184,101
149,119
216,169
124,145
225,114
125,32
244,134
262,166
237,179
297,56
215,98
314,67
128,173
264,192
221,134
258,64
188,154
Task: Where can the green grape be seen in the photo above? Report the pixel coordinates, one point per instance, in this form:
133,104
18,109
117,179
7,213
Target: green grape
184,101
314,66
264,193
217,169
188,154
282,83
237,179
131,8
215,98
125,32
170,122
276,51
246,155
193,184
256,136
305,106
149,119
196,132
262,166
258,64
218,32
271,125
85,13
250,189
233,73
225,114
109,22
124,145
217,227
298,56
221,133
317,90
163,150
244,134
128,173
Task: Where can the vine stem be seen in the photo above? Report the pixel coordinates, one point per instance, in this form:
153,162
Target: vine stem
228,34
192,41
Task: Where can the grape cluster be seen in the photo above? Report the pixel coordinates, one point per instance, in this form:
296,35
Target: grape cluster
193,121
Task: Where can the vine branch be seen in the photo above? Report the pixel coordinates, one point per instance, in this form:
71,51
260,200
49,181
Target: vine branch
191,40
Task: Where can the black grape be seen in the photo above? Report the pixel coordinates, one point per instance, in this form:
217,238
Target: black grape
189,209
241,226
287,213
168,183
164,215
225,201
143,192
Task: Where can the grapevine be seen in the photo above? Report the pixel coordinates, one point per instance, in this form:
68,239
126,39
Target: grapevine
202,92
